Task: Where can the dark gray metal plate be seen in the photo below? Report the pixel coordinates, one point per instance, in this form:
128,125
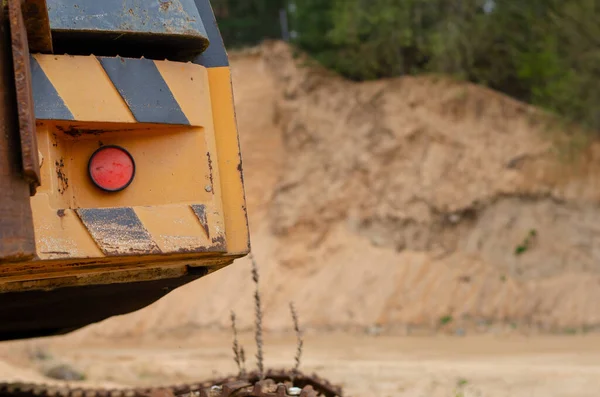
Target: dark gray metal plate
161,17
215,55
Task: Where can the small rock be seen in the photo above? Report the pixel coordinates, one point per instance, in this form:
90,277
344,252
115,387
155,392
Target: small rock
64,372
374,330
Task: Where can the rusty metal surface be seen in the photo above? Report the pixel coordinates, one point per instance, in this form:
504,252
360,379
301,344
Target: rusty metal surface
159,17
322,386
275,384
242,388
157,29
37,24
26,115
17,239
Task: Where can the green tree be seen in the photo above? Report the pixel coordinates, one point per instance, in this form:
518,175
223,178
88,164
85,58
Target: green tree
247,22
546,52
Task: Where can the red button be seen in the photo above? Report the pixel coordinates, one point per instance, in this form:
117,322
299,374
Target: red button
111,168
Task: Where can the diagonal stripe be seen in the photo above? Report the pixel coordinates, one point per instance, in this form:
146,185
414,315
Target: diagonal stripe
85,88
118,231
200,211
189,84
142,87
48,104
175,228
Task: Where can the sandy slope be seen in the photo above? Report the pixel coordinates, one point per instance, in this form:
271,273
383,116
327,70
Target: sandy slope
399,203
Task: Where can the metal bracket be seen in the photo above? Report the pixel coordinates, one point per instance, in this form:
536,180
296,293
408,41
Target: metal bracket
26,115
17,237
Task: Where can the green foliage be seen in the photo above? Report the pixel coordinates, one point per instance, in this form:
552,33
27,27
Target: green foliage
546,52
247,22
446,320
526,244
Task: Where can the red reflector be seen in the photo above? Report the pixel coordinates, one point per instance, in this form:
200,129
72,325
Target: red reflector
111,168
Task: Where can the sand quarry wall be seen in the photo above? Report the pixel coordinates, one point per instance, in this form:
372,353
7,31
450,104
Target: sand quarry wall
398,205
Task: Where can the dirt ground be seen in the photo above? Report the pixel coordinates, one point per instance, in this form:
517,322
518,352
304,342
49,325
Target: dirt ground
515,366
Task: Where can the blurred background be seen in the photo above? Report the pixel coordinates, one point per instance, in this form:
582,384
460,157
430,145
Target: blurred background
423,182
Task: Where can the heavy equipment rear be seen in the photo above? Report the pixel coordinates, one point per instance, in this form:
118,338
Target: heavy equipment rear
121,171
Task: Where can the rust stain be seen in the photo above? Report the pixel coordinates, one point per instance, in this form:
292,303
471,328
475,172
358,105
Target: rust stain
77,132
217,245
219,241
63,181
164,5
240,168
210,170
37,22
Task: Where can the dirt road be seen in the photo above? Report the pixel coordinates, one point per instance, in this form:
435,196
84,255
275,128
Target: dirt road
365,365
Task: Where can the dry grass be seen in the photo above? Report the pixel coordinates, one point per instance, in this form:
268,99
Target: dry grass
300,341
258,319
238,351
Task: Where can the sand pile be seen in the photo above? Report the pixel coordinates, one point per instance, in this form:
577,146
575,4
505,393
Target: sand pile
404,204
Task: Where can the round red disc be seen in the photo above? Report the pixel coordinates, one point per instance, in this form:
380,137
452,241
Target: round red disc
111,168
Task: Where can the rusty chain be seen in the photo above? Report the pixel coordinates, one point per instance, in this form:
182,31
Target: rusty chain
276,384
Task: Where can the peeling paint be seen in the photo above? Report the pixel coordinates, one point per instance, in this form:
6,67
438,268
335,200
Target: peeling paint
200,211
118,231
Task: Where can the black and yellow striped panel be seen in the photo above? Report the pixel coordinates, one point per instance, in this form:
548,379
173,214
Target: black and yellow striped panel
118,231
127,231
61,84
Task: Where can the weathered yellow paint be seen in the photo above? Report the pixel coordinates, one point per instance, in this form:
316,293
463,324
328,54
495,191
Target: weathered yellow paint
230,162
176,228
176,166
169,176
171,167
58,275
189,85
59,233
85,88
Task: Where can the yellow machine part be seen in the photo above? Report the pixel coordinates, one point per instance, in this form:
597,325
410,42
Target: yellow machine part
185,207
